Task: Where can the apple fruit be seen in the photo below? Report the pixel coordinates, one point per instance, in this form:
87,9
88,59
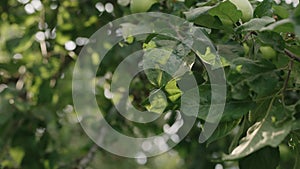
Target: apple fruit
137,6
267,52
246,48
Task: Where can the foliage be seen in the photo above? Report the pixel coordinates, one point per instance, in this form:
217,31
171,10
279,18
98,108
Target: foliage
40,42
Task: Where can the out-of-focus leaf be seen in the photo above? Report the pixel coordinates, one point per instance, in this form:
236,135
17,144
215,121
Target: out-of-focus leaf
17,154
7,108
296,19
209,21
193,14
236,110
264,85
230,51
266,158
297,14
285,25
124,2
222,9
256,24
223,129
264,9
232,111
273,39
281,11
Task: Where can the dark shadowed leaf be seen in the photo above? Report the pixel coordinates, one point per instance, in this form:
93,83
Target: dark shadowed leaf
223,130
264,9
273,39
266,158
222,12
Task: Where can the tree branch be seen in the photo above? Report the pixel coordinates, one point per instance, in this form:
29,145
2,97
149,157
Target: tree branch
291,55
290,67
83,162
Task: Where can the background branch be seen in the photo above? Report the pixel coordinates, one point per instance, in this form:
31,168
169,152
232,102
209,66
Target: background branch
291,55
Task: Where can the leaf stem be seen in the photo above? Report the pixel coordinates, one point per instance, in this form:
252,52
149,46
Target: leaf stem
290,67
236,138
270,106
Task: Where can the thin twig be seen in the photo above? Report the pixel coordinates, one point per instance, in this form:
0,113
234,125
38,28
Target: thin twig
291,55
291,64
84,162
290,67
246,37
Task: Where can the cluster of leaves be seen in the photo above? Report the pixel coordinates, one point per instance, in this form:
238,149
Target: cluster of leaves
262,106
260,124
263,93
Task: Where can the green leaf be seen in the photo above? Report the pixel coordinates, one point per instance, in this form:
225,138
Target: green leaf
17,154
234,110
208,57
208,3
209,21
296,19
222,9
261,134
201,17
264,9
193,14
159,60
6,109
240,91
173,91
223,129
230,51
285,28
170,59
281,11
256,24
264,84
247,75
272,39
158,102
190,103
297,14
266,158
285,25
297,30
18,45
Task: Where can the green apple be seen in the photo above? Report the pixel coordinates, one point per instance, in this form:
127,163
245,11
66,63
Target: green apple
246,48
141,5
245,7
267,52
